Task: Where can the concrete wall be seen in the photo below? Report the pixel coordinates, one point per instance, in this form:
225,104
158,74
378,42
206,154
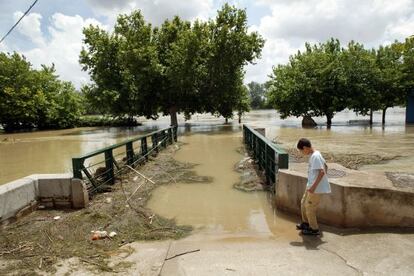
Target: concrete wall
50,190
16,195
348,206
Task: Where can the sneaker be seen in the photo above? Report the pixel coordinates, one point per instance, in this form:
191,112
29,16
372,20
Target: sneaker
310,231
302,226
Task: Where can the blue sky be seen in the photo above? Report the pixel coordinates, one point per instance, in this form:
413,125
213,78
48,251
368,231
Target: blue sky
52,33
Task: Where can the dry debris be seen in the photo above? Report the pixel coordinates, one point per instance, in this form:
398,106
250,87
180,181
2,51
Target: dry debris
37,242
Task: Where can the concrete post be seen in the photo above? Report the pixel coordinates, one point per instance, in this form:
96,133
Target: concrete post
80,197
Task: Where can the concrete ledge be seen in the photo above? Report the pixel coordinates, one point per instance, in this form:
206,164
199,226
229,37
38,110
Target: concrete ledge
16,195
350,204
51,190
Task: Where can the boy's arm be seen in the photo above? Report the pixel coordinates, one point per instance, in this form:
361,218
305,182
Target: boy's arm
317,180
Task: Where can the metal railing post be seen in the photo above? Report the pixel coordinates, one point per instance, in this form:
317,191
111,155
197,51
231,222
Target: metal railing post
77,164
109,166
154,139
144,147
164,140
130,153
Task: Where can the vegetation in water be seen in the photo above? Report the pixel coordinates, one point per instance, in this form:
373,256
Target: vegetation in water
326,78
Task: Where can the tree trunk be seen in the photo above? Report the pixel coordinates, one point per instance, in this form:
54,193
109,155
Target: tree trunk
307,121
329,120
371,115
173,115
383,115
227,120
240,115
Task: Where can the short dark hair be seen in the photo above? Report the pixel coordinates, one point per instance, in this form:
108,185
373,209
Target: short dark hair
303,142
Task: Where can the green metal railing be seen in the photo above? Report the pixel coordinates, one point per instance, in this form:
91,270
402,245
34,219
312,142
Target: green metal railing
269,157
134,151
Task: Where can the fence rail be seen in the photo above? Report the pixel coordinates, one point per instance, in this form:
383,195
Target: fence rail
133,151
269,157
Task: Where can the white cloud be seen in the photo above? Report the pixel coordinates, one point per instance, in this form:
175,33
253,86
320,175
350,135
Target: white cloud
401,29
276,51
286,27
30,27
155,11
63,47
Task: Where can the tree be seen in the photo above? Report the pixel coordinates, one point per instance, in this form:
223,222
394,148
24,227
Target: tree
257,95
287,90
35,98
361,79
123,67
232,47
390,79
244,102
311,84
408,65
178,67
182,51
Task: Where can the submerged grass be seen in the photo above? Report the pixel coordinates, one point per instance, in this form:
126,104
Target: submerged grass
37,242
349,160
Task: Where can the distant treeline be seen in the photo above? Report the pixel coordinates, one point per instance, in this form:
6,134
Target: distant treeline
32,98
326,78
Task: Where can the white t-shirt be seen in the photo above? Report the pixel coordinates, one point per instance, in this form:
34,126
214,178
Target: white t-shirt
316,163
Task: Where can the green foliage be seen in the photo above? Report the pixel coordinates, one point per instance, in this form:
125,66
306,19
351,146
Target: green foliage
391,89
257,95
407,49
232,47
35,98
361,78
326,78
178,67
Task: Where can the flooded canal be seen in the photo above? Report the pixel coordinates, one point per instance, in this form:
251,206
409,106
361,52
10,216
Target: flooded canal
214,207
217,207
22,154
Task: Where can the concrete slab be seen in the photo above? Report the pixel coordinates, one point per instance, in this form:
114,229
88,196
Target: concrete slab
16,195
230,254
358,199
54,185
50,190
353,178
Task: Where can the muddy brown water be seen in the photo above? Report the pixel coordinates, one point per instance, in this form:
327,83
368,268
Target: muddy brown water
22,154
217,207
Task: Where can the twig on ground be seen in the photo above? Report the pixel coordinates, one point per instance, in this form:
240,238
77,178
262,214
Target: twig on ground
188,252
140,174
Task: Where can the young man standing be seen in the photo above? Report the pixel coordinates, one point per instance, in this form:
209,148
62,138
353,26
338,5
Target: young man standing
317,184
